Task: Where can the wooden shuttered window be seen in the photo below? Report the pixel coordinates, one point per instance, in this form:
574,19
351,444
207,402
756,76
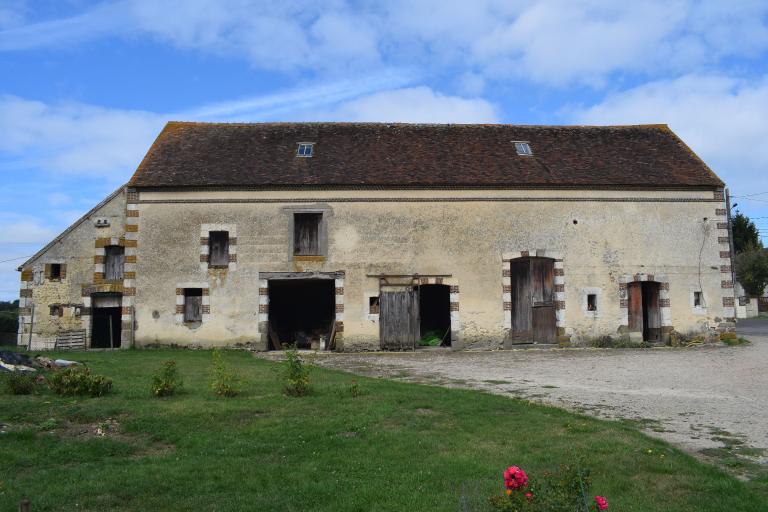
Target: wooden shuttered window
55,271
306,233
218,248
193,304
114,260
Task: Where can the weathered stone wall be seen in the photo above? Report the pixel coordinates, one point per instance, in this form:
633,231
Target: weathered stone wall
75,250
604,238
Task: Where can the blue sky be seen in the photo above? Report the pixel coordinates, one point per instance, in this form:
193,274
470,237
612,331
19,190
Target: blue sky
86,86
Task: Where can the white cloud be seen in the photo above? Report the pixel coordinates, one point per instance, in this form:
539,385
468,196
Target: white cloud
80,139
413,105
22,229
548,41
722,119
76,138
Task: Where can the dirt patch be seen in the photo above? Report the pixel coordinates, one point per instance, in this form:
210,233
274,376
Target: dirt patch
109,428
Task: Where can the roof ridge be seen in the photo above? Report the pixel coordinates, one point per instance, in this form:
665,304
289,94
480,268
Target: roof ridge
175,123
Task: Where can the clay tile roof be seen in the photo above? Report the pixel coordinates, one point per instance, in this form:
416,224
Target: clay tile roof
263,155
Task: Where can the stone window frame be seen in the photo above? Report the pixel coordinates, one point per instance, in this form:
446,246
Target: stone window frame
205,230
699,310
598,293
178,316
322,236
559,282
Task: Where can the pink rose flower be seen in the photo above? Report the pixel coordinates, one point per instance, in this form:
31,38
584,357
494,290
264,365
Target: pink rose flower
602,503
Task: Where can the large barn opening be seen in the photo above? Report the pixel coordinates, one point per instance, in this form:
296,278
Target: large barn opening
435,315
106,323
302,312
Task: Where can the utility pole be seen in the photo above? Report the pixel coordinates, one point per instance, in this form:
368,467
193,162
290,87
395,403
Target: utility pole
731,247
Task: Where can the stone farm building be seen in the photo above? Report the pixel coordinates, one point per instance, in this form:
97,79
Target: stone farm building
362,235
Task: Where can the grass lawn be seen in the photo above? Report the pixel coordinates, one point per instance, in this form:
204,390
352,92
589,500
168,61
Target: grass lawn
396,446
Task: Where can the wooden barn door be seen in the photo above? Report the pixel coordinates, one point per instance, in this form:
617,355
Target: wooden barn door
399,318
532,297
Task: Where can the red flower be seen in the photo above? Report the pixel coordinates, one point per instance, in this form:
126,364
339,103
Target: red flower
515,478
602,503
529,495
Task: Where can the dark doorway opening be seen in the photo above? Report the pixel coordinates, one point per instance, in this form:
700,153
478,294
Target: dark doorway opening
301,312
644,310
106,327
435,313
532,294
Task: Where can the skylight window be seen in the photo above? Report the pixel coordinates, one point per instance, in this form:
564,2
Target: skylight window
305,149
523,149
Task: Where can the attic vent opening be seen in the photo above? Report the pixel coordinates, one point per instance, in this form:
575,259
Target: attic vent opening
523,148
305,149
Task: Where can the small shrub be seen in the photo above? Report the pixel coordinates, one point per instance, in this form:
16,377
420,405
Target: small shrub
734,341
78,380
224,381
354,389
166,380
296,373
49,424
20,383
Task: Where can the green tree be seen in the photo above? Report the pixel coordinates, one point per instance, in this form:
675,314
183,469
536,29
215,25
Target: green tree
752,270
745,233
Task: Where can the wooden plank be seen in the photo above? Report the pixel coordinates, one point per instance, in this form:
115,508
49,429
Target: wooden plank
276,344
70,339
520,291
331,345
543,315
635,305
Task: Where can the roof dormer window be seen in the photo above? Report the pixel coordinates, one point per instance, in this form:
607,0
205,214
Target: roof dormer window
523,148
305,149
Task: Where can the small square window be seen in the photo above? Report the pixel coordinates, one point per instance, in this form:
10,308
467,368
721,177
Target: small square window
373,305
592,302
305,149
523,149
56,310
55,271
698,299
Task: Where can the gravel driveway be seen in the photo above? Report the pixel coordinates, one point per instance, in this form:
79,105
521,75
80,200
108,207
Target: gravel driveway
700,398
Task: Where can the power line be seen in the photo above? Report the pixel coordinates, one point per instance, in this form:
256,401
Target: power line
14,259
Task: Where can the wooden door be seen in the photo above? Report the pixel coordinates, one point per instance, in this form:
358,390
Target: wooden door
532,296
399,319
635,306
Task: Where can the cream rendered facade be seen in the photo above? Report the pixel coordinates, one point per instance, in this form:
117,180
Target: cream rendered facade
600,240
